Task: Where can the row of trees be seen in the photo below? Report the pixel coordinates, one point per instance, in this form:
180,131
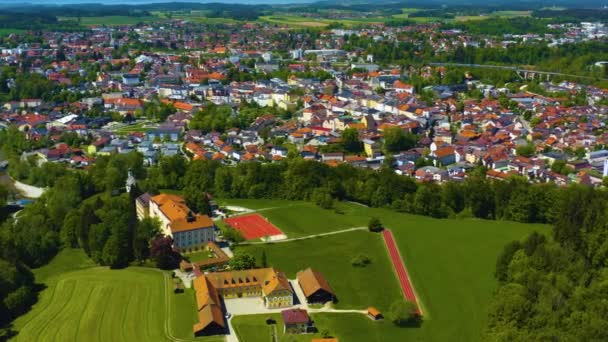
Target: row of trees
297,179
555,289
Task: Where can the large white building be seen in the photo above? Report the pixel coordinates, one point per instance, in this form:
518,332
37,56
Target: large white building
189,230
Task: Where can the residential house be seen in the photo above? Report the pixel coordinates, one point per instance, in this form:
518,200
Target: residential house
296,321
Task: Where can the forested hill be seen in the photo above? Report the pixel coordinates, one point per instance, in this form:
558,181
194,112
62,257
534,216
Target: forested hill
556,290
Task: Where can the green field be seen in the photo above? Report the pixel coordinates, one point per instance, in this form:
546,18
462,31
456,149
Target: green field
9,31
356,287
83,302
288,216
141,127
451,264
113,20
295,21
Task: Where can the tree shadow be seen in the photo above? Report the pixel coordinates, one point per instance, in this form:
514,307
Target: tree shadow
415,322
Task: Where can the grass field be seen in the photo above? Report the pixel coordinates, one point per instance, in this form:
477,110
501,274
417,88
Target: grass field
9,31
356,287
83,302
141,127
288,216
451,263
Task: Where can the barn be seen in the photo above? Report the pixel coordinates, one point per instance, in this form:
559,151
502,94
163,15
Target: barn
315,287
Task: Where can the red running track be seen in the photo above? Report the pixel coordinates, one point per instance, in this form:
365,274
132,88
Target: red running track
253,226
404,278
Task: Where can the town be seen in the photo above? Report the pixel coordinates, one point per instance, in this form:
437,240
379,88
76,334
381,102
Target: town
220,99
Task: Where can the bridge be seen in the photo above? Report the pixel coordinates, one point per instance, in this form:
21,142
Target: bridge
523,73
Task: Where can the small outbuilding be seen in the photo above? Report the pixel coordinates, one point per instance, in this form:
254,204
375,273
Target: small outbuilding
374,313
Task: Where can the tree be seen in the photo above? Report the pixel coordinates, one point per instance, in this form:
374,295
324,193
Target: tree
375,225
145,230
233,235
242,261
197,200
427,201
322,198
396,140
264,260
3,195
350,140
161,250
403,313
527,150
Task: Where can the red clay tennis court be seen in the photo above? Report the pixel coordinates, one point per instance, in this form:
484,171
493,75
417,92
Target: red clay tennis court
253,226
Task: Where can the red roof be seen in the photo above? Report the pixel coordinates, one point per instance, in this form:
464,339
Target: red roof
295,316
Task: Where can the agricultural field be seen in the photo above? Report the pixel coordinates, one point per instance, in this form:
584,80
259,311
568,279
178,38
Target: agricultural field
83,302
294,21
9,31
112,20
450,262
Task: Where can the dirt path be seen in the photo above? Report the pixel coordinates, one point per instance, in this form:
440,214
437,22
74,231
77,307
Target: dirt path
305,237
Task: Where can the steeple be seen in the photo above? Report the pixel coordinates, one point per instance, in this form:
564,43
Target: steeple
131,181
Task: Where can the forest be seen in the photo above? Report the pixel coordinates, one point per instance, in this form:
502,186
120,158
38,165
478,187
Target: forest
555,288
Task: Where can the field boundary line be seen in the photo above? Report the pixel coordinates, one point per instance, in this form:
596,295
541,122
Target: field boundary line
304,237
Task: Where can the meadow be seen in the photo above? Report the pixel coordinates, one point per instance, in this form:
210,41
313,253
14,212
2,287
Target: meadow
84,302
451,263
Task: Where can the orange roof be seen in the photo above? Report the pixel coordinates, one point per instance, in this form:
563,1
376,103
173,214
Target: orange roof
358,126
444,151
400,85
196,222
312,281
373,311
183,106
180,216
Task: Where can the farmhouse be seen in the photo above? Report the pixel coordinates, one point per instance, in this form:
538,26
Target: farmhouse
315,287
268,283
189,230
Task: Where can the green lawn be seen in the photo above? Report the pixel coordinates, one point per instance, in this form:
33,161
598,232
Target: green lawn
451,262
253,328
298,219
198,256
83,302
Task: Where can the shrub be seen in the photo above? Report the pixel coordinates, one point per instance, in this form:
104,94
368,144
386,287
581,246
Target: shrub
361,260
403,313
375,225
